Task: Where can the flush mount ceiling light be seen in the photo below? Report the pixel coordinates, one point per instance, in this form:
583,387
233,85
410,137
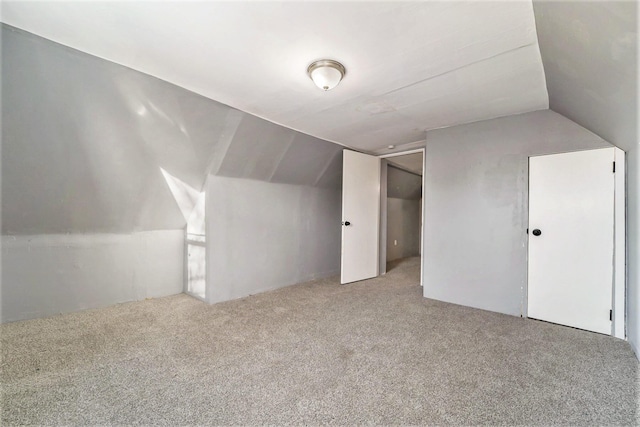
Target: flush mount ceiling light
326,73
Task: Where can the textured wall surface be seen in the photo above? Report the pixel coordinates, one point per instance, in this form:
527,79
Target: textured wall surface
403,228
85,141
49,274
262,236
403,185
404,194
94,153
476,206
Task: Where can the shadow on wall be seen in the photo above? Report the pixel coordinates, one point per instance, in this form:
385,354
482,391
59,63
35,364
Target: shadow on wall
96,134
95,155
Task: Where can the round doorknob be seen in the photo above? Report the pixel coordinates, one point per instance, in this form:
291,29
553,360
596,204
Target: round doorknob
537,232
346,223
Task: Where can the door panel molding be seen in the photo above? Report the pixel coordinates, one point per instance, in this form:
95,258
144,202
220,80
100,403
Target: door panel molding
620,246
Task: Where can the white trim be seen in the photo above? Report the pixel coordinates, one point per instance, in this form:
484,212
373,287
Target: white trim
382,232
196,243
404,153
422,222
619,251
424,166
185,268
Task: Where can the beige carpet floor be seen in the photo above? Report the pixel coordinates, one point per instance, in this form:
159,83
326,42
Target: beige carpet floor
373,352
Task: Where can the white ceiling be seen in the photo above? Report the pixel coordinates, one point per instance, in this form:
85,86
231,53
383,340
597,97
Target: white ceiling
411,66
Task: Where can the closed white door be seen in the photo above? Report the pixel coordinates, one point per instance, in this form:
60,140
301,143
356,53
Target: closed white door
360,216
571,201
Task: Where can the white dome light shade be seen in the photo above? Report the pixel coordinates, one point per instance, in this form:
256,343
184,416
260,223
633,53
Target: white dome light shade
326,73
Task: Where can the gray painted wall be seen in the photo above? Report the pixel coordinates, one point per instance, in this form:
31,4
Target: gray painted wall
49,274
83,141
263,236
404,194
476,206
403,228
590,56
84,144
403,185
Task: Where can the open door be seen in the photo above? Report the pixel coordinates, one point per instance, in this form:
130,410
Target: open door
571,236
360,216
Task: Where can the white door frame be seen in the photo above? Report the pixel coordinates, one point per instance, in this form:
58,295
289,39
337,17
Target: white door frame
424,160
619,280
619,246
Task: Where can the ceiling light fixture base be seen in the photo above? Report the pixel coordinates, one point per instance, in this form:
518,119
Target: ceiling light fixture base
326,73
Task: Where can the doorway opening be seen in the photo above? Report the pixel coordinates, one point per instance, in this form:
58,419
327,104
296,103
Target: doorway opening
401,208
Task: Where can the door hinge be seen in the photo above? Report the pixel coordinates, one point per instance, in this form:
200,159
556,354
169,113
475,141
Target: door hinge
610,314
614,167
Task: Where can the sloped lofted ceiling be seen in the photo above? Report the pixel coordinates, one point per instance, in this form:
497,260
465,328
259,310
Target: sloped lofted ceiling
403,185
411,66
590,55
409,162
91,146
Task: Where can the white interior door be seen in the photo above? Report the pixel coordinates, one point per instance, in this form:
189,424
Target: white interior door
571,201
360,216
